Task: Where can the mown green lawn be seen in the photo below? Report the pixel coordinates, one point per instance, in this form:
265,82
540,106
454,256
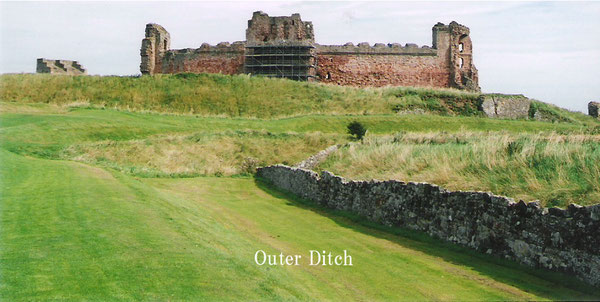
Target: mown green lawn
72,231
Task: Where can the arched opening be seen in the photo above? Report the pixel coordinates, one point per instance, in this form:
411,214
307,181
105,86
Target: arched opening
328,76
165,45
461,63
461,47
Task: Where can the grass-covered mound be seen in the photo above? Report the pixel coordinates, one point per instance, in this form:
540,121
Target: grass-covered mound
557,169
231,96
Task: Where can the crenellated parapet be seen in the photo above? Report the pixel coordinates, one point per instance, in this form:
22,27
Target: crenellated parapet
377,49
223,47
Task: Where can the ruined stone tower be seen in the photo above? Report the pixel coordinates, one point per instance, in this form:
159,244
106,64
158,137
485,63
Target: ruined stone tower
285,47
280,47
154,46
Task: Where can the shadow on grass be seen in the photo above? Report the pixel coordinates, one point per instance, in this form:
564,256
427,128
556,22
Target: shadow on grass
541,282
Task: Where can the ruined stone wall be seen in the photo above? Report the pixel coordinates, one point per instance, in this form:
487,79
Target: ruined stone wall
382,65
505,106
64,67
560,240
223,58
266,30
448,64
594,109
156,43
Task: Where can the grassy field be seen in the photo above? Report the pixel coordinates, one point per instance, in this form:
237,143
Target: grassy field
557,169
72,231
107,195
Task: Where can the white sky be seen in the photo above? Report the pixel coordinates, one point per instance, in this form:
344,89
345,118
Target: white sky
545,50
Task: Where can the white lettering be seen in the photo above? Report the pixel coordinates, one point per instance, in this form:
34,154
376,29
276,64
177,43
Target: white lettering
263,257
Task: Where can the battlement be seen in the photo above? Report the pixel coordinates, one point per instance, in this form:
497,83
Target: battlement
235,47
377,49
65,67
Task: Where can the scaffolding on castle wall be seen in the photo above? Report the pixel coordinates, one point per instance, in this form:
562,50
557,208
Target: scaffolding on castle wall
297,62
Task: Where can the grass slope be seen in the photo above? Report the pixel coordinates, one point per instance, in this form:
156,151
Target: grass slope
73,231
155,145
243,96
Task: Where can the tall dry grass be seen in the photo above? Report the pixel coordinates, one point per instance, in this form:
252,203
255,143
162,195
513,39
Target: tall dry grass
204,153
556,169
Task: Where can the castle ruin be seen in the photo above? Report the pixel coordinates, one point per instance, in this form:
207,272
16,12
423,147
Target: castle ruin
284,47
594,109
64,67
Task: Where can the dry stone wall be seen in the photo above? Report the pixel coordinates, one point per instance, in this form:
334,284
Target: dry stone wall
551,238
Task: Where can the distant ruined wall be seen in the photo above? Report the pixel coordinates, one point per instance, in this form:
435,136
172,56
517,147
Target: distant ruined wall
560,240
265,30
448,63
594,109
382,65
505,106
223,58
64,67
156,43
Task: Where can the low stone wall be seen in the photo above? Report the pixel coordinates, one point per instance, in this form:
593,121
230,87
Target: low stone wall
561,240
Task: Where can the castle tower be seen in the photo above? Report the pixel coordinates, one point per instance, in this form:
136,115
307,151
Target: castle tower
454,42
154,46
281,47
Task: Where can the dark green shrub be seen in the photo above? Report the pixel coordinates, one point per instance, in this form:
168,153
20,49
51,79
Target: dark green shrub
357,129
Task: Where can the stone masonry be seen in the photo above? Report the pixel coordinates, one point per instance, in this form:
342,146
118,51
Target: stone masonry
285,47
566,241
594,109
505,106
64,67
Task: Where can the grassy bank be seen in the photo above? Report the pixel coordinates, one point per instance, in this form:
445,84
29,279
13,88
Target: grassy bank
230,96
557,169
147,144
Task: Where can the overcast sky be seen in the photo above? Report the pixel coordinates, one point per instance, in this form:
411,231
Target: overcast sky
546,50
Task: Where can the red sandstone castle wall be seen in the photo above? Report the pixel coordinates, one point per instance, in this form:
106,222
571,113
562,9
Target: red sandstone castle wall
448,63
383,70
204,62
